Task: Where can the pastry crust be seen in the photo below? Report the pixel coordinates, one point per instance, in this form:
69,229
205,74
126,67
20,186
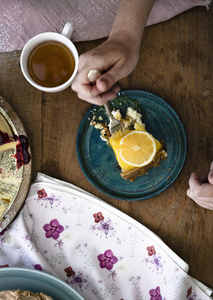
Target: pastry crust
132,174
25,295
132,121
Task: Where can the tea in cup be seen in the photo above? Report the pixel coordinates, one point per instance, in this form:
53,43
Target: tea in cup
49,61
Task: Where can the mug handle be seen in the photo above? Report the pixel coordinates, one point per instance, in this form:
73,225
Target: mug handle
68,30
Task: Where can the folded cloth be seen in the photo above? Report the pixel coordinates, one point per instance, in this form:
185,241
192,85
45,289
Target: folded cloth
92,19
95,248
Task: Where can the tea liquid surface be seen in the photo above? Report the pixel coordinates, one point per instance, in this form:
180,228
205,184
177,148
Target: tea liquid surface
51,64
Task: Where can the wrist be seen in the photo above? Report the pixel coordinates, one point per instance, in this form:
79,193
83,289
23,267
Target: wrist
126,41
125,38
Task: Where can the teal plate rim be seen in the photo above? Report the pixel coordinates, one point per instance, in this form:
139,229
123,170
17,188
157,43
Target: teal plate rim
36,281
98,162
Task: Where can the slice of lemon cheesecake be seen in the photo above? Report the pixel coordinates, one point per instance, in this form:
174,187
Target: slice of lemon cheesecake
135,149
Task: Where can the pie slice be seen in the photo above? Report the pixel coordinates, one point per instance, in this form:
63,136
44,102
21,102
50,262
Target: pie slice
7,141
136,150
11,165
19,294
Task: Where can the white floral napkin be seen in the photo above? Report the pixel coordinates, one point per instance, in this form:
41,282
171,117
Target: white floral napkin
95,248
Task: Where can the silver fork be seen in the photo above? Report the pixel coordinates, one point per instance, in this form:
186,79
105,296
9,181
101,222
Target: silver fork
115,126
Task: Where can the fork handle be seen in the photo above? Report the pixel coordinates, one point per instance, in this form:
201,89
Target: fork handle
107,109
93,76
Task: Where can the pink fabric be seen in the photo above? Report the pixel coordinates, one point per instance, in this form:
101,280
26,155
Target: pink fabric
22,19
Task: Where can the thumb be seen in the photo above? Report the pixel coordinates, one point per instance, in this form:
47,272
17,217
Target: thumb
105,82
210,175
110,77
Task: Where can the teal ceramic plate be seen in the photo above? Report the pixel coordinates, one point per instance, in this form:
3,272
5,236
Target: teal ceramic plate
36,281
97,160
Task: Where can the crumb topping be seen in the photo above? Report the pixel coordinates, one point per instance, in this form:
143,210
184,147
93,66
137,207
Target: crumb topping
132,116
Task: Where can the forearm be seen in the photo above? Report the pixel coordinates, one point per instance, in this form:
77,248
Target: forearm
117,56
131,19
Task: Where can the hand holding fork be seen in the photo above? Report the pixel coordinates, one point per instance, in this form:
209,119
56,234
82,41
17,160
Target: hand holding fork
115,126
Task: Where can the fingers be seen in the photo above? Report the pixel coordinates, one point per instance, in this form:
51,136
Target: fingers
114,61
205,202
210,175
90,92
102,98
103,82
101,91
111,94
194,181
108,79
201,190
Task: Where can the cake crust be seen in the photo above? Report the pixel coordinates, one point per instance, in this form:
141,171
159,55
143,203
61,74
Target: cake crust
23,295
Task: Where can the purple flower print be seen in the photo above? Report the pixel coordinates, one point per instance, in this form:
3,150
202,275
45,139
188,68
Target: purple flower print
107,260
156,261
155,294
105,226
78,279
52,199
53,229
192,297
37,267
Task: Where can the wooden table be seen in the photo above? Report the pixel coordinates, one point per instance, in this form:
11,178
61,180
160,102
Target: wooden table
175,64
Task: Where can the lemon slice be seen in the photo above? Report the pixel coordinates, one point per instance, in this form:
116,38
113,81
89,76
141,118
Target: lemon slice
137,148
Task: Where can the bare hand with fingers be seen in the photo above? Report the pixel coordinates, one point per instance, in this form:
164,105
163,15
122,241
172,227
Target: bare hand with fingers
115,60
201,189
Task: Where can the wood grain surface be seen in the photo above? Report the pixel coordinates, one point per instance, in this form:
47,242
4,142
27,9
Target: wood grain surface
175,64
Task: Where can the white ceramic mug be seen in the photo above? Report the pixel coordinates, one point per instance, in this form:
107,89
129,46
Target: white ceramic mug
63,38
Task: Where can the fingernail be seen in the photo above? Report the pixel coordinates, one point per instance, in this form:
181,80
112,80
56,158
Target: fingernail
93,75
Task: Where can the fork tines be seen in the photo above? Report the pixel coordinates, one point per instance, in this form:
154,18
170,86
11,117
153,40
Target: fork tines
115,126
